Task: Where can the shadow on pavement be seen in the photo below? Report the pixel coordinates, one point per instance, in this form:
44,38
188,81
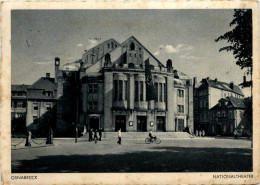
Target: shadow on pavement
159,159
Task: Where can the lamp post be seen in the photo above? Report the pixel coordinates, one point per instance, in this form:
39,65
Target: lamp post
77,106
249,83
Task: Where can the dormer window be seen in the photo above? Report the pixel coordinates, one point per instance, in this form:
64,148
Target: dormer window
48,93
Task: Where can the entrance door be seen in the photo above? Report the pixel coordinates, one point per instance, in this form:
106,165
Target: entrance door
120,123
180,125
94,123
141,124
160,123
218,129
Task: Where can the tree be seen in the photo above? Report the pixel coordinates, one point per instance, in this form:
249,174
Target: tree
240,38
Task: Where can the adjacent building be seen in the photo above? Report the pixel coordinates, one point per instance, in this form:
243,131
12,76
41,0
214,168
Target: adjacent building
107,89
41,101
18,107
206,95
226,116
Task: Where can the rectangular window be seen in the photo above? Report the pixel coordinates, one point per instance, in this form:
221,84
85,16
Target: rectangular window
120,90
92,105
140,55
93,88
212,115
156,92
130,55
160,92
201,103
48,93
180,93
135,55
196,103
20,104
108,45
180,109
112,45
95,105
136,91
141,91
35,106
48,106
115,89
125,90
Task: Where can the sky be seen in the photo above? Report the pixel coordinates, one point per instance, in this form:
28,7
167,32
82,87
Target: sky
187,37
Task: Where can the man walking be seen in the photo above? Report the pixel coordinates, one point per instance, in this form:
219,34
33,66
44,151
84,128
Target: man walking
90,134
95,136
100,133
119,137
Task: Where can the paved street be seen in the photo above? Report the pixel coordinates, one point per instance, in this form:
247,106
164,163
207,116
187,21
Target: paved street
173,155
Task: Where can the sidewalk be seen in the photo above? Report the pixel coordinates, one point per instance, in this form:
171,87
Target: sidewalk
19,143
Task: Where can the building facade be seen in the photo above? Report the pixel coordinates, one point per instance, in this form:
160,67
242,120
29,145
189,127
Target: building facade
41,109
18,107
206,95
226,116
111,92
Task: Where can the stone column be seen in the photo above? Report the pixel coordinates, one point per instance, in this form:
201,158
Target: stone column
108,101
170,105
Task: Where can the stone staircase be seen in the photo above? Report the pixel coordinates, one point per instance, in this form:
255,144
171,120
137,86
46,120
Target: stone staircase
142,135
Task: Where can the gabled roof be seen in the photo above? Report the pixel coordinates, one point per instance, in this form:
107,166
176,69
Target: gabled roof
225,86
21,87
234,102
111,39
44,83
237,102
132,37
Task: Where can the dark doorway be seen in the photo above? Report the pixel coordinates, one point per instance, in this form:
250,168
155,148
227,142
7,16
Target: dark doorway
218,129
180,125
141,124
94,123
120,123
160,124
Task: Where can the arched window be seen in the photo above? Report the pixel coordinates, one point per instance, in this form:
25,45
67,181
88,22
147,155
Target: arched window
132,46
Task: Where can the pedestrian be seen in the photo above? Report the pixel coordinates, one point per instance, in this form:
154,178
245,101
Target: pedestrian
95,136
196,133
235,134
119,137
203,133
100,133
200,133
90,134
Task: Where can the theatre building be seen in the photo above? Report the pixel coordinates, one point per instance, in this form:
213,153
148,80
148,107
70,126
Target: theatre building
113,94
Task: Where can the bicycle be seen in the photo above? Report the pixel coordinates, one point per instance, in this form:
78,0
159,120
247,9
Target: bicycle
151,140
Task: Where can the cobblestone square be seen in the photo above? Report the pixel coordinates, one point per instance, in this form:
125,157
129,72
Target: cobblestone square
172,155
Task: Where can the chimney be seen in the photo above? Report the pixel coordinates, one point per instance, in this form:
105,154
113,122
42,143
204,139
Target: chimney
169,65
48,75
176,74
194,81
231,85
57,65
216,80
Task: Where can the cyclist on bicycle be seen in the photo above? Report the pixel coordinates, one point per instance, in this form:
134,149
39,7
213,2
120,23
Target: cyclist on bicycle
151,135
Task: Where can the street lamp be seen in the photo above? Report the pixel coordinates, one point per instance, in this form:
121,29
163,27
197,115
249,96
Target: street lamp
249,83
